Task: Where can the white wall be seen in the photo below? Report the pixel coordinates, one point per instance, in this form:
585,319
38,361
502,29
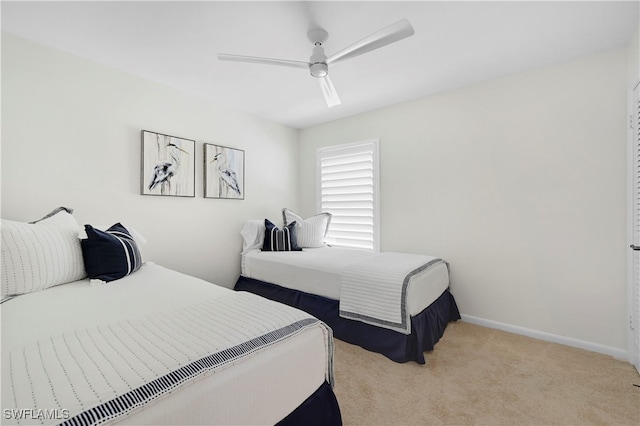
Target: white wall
71,136
634,59
520,184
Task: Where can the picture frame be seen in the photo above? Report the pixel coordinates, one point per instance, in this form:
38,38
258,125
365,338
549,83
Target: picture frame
223,172
168,165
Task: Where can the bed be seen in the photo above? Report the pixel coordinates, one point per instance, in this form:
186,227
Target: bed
315,280
154,346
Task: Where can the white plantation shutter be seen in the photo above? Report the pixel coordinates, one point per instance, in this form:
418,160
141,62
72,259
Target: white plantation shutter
635,281
348,189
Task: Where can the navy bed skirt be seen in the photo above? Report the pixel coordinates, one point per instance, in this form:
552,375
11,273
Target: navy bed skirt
320,409
426,328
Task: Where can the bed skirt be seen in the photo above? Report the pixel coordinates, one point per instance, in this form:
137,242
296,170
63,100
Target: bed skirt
426,328
320,409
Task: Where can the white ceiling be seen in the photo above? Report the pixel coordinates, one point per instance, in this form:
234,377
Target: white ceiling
455,44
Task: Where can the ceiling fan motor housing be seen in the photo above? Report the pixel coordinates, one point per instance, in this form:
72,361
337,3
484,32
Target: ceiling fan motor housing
318,62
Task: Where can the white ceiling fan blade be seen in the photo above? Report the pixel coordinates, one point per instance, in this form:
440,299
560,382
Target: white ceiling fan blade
267,61
392,33
329,91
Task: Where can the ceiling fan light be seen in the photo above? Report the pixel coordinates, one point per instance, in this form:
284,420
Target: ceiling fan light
319,69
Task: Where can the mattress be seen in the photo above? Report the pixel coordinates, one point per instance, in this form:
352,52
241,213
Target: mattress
259,388
319,271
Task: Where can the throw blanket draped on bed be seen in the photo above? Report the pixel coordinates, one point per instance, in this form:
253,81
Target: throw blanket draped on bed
93,375
374,290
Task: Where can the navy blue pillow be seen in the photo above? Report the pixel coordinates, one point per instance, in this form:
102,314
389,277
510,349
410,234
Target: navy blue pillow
110,255
280,239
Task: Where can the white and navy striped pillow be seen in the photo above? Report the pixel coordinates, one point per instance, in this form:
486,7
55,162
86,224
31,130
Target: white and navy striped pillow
110,255
276,239
310,231
41,254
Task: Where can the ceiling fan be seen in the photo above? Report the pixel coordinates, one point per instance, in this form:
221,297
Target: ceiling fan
318,64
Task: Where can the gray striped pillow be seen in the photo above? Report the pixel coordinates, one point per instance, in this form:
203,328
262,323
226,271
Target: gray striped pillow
310,231
276,239
39,255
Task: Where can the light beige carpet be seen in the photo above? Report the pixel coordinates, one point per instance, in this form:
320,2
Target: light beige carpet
478,375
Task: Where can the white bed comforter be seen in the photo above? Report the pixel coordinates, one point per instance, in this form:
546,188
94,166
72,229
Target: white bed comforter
126,353
374,289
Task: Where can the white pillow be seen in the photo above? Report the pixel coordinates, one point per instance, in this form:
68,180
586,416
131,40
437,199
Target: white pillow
310,231
252,235
39,255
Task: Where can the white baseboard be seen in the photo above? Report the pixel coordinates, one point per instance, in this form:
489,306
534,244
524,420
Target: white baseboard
548,337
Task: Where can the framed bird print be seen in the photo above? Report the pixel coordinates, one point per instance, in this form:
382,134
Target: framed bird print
223,172
168,165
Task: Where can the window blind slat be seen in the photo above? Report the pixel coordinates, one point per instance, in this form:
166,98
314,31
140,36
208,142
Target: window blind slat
361,165
355,196
353,204
351,174
337,160
350,227
346,190
351,220
347,182
351,210
355,235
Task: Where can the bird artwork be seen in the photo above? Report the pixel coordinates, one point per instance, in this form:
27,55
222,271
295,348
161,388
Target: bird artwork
164,171
225,179
227,175
167,164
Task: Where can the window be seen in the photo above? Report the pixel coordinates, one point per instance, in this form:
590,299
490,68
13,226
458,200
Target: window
348,189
